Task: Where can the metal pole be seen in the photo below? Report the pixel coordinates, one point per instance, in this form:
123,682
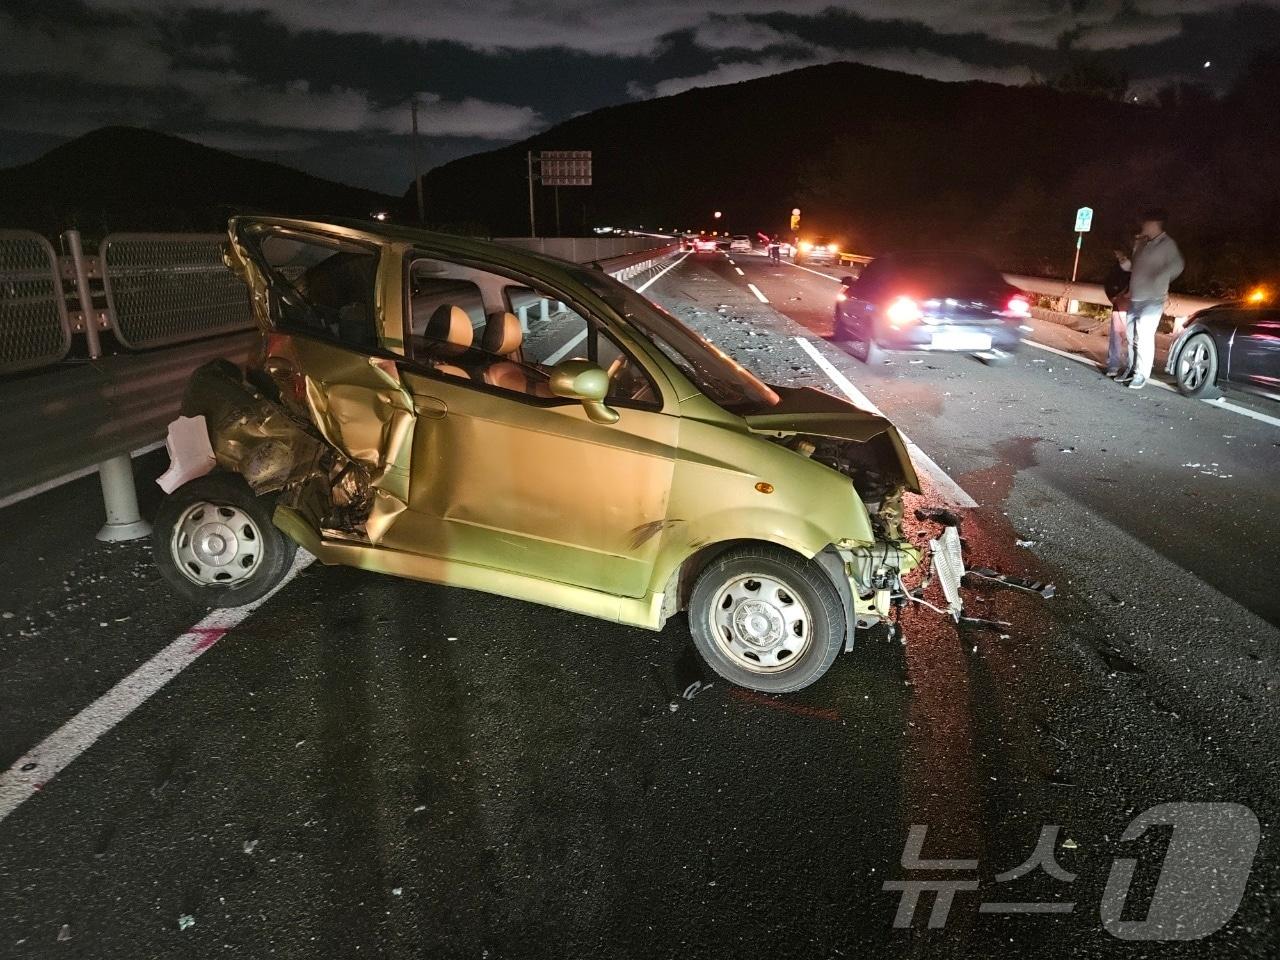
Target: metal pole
557,193
417,166
82,290
533,229
120,498
1076,266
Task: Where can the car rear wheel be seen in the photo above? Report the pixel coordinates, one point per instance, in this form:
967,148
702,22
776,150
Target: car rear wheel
766,619
214,542
1197,370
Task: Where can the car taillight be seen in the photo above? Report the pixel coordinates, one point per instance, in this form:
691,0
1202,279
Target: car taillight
1019,305
903,310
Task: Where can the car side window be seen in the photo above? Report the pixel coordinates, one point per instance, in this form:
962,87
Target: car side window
480,327
323,287
555,332
865,286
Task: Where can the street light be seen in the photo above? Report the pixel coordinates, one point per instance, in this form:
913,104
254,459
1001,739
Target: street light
718,214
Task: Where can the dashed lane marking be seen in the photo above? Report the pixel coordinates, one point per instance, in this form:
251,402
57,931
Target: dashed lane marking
739,271
33,771
947,487
756,290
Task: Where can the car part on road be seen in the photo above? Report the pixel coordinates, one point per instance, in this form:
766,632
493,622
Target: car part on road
766,619
1197,368
214,542
1046,590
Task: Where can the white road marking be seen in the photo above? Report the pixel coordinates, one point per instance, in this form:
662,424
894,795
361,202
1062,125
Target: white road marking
48,485
1243,411
810,270
645,286
756,290
33,771
1221,402
951,490
563,352
739,271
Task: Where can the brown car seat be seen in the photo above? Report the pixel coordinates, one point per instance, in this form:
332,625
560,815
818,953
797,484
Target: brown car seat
448,334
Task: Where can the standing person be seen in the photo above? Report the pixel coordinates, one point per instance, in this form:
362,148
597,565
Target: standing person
1116,287
1156,262
775,250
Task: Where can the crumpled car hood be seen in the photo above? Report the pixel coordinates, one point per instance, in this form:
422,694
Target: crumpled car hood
804,410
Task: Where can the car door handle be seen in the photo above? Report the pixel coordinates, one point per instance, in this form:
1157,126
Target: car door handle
431,407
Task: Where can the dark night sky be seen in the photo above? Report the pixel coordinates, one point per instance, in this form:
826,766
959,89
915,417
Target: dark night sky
325,84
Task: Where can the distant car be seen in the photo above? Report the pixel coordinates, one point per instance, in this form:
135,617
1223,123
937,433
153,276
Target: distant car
952,302
818,250
740,244
1234,343
687,243
722,243
704,245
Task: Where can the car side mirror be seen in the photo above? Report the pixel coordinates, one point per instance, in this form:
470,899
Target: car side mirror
585,381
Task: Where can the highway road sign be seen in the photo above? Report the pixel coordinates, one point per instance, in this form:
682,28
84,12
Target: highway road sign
565,168
1084,219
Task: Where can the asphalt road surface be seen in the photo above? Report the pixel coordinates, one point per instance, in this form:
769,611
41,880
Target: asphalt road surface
367,767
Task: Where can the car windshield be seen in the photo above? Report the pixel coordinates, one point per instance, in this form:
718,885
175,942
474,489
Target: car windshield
722,379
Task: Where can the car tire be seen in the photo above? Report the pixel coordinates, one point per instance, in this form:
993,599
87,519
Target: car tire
1196,373
215,544
766,619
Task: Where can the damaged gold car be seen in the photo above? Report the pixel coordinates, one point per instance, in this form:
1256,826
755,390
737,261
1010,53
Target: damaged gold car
464,413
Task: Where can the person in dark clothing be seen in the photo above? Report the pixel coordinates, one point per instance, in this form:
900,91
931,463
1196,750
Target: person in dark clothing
1116,287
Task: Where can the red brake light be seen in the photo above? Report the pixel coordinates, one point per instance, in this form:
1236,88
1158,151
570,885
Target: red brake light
1019,305
903,310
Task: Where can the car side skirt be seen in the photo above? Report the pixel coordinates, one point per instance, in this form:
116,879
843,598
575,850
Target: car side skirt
644,612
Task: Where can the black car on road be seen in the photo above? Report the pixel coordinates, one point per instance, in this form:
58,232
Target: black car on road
954,302
1236,343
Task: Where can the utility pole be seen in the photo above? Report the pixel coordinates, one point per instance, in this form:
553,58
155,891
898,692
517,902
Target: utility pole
533,229
417,167
557,193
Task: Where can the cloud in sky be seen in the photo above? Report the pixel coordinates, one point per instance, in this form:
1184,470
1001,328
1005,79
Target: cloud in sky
340,73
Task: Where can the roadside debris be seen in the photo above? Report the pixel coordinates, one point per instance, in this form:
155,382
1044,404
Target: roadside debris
1025,543
1045,590
938,515
64,934
981,624
185,921
250,845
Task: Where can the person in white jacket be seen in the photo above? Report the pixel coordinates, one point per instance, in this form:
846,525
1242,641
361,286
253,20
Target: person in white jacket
1156,263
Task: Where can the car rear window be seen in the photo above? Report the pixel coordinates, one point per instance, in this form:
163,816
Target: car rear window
930,274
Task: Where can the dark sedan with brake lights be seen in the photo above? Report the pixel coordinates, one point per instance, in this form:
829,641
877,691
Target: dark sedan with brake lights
952,302
1235,343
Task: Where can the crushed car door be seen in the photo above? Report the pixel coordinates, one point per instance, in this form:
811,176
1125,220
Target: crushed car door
325,356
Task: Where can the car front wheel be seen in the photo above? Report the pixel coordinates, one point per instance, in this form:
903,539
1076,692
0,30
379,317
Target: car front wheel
1197,370
766,619
214,542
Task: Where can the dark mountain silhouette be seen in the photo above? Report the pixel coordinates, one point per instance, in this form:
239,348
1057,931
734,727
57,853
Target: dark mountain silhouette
884,160
123,178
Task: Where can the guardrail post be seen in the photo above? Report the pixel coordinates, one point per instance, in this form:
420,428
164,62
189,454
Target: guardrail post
82,292
120,498
119,495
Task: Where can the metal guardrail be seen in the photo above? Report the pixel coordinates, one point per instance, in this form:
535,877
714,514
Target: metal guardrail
585,249
34,328
1179,307
163,289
